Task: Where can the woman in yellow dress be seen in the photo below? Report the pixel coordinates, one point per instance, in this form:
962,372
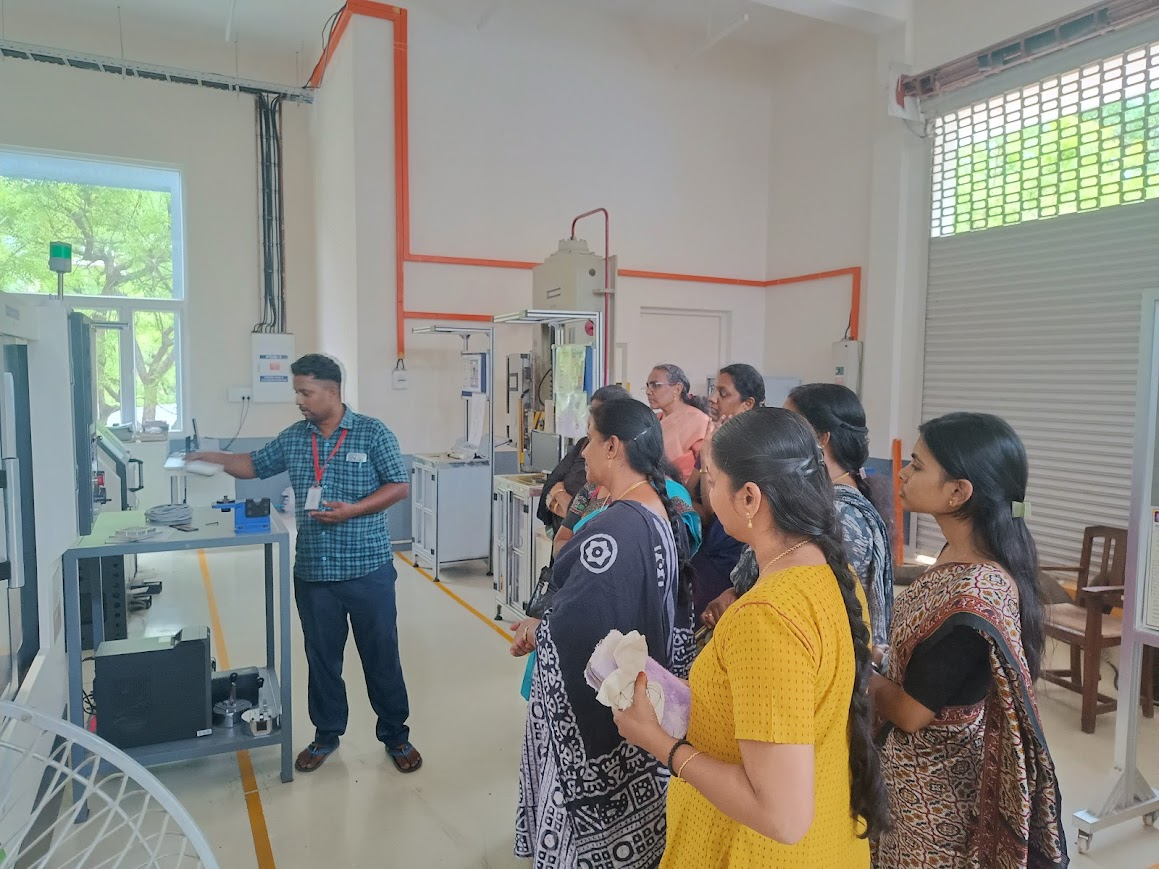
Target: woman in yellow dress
779,768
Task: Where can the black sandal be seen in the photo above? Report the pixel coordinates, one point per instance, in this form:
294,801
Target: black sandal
313,756
406,757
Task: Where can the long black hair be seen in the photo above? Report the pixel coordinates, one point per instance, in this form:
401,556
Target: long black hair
837,411
677,377
985,450
638,429
776,450
748,382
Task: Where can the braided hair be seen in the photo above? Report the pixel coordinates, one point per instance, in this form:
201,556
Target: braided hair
777,451
677,377
836,410
638,429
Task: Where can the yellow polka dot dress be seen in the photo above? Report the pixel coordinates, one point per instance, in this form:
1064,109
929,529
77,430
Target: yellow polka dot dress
779,668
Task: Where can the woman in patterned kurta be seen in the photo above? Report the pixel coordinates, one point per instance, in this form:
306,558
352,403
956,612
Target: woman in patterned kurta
838,418
586,797
971,781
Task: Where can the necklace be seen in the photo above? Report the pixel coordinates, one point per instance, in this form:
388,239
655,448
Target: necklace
847,474
630,488
788,551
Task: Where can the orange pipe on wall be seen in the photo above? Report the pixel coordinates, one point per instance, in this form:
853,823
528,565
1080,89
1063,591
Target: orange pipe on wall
376,10
695,279
398,17
855,306
401,173
898,511
434,315
470,261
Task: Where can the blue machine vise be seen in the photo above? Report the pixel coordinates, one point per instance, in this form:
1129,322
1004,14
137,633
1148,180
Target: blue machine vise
251,516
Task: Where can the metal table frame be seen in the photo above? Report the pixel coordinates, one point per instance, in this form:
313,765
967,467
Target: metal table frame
218,535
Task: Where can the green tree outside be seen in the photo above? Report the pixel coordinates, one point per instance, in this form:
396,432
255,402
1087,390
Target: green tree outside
1079,162
122,248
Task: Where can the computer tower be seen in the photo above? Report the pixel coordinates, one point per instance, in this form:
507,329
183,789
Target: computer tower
150,690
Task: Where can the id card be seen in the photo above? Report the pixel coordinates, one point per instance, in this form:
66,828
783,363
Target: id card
313,499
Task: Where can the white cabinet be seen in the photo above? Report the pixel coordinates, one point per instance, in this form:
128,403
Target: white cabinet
450,515
520,548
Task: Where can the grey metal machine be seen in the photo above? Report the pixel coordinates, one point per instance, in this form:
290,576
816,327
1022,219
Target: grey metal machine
539,437
450,492
129,473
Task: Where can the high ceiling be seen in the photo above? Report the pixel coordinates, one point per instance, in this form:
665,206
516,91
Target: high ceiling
296,25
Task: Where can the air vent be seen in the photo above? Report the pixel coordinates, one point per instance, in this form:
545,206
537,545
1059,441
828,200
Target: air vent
1084,25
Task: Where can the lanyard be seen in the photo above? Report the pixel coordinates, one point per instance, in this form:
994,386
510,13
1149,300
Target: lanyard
319,470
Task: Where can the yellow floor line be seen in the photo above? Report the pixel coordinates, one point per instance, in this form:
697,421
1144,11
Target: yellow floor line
489,622
249,783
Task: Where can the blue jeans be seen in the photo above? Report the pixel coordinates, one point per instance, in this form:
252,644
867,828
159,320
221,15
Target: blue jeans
327,610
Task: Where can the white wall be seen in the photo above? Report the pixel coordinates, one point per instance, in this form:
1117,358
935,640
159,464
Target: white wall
823,110
332,136
546,112
210,137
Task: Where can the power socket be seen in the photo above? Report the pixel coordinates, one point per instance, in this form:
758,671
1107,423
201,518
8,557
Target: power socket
240,394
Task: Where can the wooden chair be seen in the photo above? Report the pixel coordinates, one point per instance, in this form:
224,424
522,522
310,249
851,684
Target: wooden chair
1087,625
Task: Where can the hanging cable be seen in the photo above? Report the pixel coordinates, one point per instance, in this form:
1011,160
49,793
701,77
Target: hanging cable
260,122
271,218
279,203
328,31
245,412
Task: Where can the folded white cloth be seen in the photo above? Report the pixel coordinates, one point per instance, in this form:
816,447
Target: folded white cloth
612,671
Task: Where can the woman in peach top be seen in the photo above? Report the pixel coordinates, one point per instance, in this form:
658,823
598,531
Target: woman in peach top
684,417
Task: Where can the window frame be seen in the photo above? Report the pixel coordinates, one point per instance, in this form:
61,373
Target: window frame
72,168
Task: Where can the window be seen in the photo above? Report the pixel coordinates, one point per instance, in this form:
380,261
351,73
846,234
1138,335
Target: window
124,224
1081,141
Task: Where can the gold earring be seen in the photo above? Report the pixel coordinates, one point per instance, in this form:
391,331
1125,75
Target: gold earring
750,521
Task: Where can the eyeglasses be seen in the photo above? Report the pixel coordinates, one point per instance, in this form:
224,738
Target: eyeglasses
653,385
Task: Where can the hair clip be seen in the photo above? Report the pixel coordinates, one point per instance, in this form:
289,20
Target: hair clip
1020,509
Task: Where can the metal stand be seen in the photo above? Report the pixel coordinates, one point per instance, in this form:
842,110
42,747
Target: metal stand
1127,794
278,684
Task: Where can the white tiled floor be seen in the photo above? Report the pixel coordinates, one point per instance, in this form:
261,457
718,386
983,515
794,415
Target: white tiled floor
467,720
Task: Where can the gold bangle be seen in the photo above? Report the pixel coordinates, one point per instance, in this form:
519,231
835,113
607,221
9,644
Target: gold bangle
691,757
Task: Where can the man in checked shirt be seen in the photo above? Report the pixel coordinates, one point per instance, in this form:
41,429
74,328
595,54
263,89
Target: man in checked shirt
346,470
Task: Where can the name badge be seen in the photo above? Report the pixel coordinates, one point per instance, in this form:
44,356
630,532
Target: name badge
356,457
313,499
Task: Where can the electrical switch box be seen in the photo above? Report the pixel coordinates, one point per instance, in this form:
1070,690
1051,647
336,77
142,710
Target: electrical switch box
847,364
271,355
